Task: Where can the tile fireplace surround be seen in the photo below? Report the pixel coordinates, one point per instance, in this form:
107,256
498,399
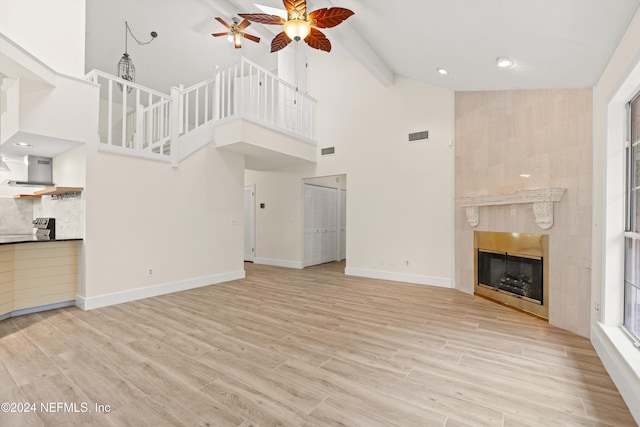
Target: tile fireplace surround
507,143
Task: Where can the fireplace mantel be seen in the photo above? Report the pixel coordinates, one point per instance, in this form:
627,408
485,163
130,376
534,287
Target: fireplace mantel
541,198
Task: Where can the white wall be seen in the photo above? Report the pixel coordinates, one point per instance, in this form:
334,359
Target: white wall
67,111
399,195
184,223
70,169
51,30
618,83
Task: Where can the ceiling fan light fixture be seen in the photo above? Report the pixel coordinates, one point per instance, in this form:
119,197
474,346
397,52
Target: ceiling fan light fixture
297,29
504,62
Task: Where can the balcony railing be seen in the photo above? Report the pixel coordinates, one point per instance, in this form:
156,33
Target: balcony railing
140,121
133,119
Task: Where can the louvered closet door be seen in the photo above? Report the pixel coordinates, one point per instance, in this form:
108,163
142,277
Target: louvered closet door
320,225
342,225
329,224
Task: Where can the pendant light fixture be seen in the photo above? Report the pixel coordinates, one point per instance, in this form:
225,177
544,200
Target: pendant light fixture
126,69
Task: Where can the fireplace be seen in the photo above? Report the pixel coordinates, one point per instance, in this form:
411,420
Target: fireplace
511,269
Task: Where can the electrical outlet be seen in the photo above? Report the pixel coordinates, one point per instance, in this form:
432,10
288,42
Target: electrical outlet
406,262
596,305
151,272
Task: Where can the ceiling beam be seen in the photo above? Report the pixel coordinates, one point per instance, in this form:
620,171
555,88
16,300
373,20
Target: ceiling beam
347,35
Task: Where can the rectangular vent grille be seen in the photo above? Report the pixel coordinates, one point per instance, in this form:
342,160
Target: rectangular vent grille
328,150
418,136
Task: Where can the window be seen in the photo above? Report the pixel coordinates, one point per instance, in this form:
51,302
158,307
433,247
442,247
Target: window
632,234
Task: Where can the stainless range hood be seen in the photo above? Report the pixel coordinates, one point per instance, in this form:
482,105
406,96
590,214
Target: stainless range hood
39,172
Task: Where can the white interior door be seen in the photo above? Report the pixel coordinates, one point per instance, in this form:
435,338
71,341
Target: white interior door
342,225
320,219
329,224
249,222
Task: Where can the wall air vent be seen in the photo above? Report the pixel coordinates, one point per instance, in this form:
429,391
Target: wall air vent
328,150
418,136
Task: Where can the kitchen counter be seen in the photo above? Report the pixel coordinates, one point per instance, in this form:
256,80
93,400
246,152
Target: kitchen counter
9,239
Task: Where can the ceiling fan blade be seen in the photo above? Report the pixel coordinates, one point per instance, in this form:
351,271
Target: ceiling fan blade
296,9
220,20
252,38
317,40
327,18
219,34
244,24
279,42
263,18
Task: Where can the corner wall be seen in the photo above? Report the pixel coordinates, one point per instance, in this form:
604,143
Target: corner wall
399,195
547,135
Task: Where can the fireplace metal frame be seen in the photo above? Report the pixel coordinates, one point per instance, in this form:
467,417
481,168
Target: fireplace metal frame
519,244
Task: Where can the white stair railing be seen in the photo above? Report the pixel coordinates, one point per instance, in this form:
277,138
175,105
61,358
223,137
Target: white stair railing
248,90
133,119
140,121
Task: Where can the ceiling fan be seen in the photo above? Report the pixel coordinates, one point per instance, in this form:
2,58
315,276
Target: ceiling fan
236,32
300,25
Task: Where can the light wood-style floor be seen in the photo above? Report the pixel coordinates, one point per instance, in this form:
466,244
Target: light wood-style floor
303,348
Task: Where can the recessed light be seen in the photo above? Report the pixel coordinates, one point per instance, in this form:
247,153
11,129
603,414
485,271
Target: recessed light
524,175
443,71
22,144
504,62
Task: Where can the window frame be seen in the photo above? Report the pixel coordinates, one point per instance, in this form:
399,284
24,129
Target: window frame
632,229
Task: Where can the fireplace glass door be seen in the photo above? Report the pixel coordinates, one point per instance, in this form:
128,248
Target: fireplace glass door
520,276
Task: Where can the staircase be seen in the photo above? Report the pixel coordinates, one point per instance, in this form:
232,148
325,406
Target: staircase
244,108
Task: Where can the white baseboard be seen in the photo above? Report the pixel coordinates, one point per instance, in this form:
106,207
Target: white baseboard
154,291
399,277
278,263
622,361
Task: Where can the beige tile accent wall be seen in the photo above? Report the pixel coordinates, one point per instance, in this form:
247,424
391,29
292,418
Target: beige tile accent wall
547,134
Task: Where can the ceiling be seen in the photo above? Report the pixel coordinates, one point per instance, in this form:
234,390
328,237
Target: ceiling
553,43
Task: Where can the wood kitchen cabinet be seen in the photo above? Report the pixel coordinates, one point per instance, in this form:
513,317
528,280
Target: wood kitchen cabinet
37,275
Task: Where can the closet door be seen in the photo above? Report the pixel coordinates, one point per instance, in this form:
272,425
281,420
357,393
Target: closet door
329,224
320,225
342,225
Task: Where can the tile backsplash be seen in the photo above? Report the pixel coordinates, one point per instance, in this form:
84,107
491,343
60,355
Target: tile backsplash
68,213
16,215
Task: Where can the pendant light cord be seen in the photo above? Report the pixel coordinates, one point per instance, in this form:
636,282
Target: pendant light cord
128,31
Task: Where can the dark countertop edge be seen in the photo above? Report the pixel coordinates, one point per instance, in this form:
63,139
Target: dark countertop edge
18,240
